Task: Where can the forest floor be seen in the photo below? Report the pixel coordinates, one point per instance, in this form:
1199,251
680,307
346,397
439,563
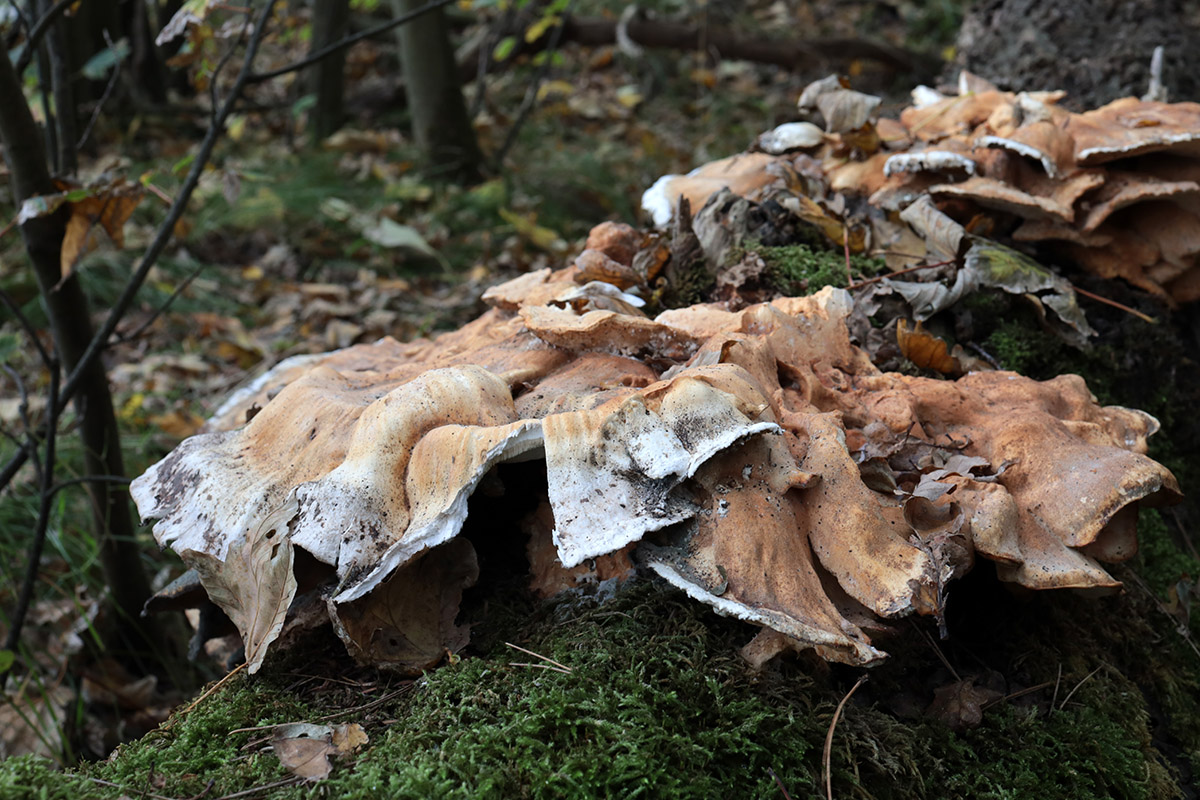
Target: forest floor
298,249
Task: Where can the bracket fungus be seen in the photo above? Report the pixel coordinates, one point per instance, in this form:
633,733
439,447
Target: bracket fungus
753,457
1115,190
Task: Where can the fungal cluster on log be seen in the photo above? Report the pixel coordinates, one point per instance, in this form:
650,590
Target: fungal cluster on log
752,456
1115,190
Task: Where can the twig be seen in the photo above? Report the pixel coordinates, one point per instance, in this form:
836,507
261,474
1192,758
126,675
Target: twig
1057,681
827,753
879,278
26,325
212,83
1180,627
531,93
207,788
164,233
23,413
259,77
11,224
210,690
162,309
58,487
142,793
1115,304
39,30
17,621
779,783
1015,695
550,667
941,656
112,82
1188,544
367,706
561,666
846,250
1071,693
277,784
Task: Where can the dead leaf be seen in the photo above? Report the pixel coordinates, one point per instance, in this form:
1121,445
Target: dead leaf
837,230
960,705
304,749
348,737
408,622
254,586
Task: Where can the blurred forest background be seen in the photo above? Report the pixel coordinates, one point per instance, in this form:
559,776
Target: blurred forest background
196,191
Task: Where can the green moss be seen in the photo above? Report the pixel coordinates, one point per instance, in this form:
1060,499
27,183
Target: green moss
1160,562
658,704
32,777
801,269
655,706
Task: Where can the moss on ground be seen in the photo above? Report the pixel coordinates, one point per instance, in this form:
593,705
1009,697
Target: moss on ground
801,269
658,704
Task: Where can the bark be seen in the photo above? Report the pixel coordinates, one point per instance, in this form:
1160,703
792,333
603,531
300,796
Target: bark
440,123
67,310
1095,50
329,23
64,98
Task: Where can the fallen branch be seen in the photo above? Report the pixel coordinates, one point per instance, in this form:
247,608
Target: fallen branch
795,55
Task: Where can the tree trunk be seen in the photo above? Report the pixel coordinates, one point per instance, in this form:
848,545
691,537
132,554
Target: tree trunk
67,311
1096,50
329,23
440,123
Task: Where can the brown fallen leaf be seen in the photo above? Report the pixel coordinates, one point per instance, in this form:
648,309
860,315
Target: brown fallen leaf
959,705
304,749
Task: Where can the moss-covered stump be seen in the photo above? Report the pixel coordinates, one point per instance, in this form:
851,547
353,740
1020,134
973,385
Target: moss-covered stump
657,703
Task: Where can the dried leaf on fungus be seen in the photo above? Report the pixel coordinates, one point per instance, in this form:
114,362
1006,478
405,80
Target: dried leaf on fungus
253,585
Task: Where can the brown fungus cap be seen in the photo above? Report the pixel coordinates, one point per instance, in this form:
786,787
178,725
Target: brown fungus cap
754,458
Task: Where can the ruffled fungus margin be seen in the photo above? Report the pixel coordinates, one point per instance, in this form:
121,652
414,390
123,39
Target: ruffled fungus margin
754,458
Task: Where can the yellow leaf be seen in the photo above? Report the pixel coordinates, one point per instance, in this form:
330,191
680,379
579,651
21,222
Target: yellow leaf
132,406
555,89
235,126
539,28
629,96
527,228
179,424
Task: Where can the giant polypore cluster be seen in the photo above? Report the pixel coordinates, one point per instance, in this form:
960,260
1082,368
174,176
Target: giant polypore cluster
754,457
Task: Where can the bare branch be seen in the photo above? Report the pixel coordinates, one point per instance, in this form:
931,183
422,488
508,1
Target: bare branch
39,30
154,250
384,27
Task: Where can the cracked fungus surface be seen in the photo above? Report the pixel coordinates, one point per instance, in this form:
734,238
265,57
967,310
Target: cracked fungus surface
755,459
